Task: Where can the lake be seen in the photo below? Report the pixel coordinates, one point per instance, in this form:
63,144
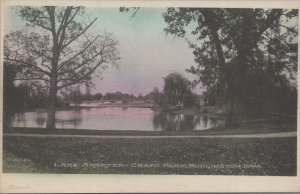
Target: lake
118,118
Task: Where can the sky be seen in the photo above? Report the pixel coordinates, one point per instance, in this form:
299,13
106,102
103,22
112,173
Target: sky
147,53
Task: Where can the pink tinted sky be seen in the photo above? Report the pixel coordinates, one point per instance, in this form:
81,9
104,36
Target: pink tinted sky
147,53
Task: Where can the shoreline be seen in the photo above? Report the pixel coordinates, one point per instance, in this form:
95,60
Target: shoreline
185,111
256,128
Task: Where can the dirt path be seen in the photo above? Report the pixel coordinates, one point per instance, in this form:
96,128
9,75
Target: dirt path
263,135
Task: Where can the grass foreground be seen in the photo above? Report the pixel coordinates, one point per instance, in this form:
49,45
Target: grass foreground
201,156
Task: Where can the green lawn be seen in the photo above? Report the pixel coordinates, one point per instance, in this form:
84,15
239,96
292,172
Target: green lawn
218,156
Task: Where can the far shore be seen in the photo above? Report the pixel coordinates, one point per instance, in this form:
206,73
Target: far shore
185,111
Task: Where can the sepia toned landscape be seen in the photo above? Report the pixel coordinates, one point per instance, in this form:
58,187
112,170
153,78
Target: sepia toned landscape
136,90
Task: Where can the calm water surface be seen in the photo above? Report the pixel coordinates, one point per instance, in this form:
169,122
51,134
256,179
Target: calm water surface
118,118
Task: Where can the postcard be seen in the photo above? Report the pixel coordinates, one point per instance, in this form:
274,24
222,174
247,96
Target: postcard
149,96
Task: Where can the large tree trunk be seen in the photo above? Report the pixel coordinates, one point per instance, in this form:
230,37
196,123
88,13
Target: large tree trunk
53,76
234,114
235,104
52,104
53,88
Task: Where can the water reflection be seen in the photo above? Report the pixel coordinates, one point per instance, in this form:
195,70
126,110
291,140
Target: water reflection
215,121
19,119
40,121
125,108
205,121
118,118
179,122
67,119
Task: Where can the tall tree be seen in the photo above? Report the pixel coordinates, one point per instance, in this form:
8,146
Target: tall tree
156,95
57,50
9,90
175,88
230,44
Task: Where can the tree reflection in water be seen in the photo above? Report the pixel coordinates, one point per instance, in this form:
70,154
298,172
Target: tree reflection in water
205,121
179,122
77,118
19,118
124,108
119,119
214,121
73,121
40,120
166,122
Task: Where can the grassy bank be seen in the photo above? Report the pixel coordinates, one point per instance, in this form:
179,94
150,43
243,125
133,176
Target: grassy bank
274,156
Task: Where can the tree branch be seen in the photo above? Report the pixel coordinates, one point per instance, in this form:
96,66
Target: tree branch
38,24
80,65
274,15
288,28
64,25
33,78
63,21
41,54
83,31
267,36
82,77
135,12
28,65
71,19
50,11
76,55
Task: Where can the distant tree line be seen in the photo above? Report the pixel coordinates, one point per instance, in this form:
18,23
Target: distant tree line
177,91
76,96
19,97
